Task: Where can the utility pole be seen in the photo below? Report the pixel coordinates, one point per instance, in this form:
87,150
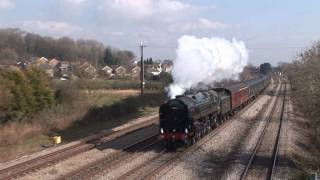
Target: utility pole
142,70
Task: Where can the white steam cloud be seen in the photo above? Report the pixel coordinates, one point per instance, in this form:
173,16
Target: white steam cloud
206,60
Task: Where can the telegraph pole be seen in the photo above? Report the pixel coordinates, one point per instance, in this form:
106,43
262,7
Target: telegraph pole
142,70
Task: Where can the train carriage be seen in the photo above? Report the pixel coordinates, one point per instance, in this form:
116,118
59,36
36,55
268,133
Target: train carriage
239,95
255,86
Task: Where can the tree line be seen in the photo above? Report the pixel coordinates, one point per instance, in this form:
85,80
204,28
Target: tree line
304,76
16,45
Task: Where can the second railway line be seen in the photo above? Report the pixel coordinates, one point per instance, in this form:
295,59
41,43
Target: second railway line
263,160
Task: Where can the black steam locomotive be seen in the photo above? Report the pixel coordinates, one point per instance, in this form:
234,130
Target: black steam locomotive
188,117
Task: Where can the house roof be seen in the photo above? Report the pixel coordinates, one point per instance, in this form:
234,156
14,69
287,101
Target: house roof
43,59
53,62
90,68
106,68
115,67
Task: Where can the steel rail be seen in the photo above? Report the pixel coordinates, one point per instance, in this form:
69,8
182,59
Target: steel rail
262,135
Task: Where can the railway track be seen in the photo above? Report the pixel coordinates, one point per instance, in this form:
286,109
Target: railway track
85,144
114,159
164,159
254,161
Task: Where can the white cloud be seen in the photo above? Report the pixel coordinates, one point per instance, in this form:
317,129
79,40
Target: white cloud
54,28
169,6
4,4
204,23
140,9
76,2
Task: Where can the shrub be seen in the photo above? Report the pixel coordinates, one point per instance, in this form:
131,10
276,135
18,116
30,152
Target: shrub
30,93
65,92
41,89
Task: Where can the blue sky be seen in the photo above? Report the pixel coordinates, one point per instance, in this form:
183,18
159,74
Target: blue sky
273,30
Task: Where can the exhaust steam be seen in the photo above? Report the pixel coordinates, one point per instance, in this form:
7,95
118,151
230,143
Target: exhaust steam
205,61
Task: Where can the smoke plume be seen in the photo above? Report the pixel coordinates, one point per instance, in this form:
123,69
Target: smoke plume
205,61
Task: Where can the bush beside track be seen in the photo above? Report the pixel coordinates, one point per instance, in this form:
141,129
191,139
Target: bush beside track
33,107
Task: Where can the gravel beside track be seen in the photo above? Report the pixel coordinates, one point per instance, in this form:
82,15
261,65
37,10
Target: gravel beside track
95,168
221,157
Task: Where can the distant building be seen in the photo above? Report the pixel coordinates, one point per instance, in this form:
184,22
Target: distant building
84,70
65,69
154,69
119,70
135,71
90,69
107,70
23,64
166,68
41,60
47,69
54,62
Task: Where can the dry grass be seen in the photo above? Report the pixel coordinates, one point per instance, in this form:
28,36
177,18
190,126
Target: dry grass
87,115
14,133
18,139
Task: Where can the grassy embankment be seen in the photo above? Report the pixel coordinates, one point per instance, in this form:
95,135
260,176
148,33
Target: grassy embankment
82,107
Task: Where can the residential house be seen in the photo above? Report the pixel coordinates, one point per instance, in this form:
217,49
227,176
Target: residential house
119,70
54,62
107,70
88,69
65,69
65,66
166,68
47,69
135,71
23,64
154,71
40,61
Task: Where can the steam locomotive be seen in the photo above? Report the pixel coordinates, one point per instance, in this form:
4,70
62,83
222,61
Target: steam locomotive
188,117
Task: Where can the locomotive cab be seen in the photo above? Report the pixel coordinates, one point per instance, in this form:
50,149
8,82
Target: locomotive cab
175,122
173,116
